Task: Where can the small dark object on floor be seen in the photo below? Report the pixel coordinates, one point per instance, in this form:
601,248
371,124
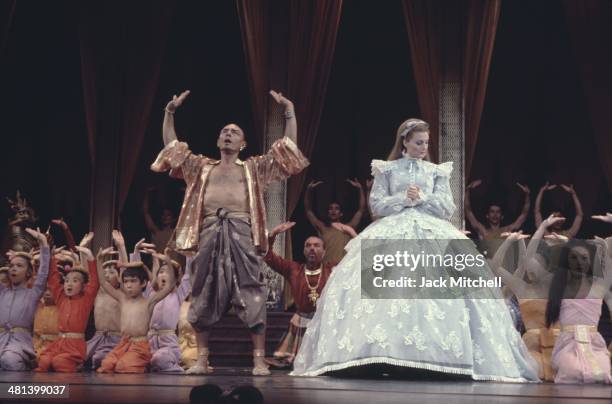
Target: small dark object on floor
205,394
243,395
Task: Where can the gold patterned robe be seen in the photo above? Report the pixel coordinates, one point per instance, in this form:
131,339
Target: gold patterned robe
46,327
281,161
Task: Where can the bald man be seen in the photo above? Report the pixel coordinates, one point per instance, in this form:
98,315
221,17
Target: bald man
222,224
307,281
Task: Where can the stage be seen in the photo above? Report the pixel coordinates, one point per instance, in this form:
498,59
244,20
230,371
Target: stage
281,388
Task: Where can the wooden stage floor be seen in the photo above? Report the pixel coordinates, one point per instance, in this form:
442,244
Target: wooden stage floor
281,388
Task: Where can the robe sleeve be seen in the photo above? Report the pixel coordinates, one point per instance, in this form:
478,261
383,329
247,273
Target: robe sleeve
177,158
283,160
279,264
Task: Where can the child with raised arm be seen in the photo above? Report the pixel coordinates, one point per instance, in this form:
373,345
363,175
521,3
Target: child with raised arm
581,280
530,283
46,319
74,294
162,333
18,304
132,354
106,310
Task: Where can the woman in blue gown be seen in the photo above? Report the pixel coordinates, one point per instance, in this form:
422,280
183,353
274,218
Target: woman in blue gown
464,336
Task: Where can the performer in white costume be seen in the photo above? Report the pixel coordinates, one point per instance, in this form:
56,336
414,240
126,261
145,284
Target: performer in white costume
472,337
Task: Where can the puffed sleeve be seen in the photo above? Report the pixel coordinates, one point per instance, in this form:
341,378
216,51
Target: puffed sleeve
283,160
178,159
382,202
440,202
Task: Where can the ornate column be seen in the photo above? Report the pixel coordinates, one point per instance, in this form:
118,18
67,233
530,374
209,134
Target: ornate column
276,207
452,111
276,194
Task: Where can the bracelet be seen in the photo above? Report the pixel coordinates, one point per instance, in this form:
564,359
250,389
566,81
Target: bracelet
168,111
289,114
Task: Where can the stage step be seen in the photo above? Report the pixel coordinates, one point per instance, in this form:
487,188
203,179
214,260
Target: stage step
230,342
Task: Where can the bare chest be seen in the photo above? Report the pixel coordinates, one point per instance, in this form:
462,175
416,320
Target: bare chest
227,176
226,188
106,304
138,307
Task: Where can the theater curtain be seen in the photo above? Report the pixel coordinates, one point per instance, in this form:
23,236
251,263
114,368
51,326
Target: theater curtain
121,54
7,10
590,31
312,42
293,43
477,22
482,19
422,22
311,29
254,24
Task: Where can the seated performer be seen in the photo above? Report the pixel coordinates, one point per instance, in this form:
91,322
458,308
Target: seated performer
132,354
18,304
531,293
106,309
166,354
223,219
74,295
334,238
607,218
580,282
107,334
46,322
307,281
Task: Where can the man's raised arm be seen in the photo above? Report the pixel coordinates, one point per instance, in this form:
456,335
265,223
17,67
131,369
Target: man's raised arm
168,131
290,120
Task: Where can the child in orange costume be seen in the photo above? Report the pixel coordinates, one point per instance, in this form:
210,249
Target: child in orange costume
45,323
74,300
132,354
46,319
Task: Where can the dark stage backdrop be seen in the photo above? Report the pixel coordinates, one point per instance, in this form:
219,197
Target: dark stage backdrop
535,126
371,92
203,54
43,131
